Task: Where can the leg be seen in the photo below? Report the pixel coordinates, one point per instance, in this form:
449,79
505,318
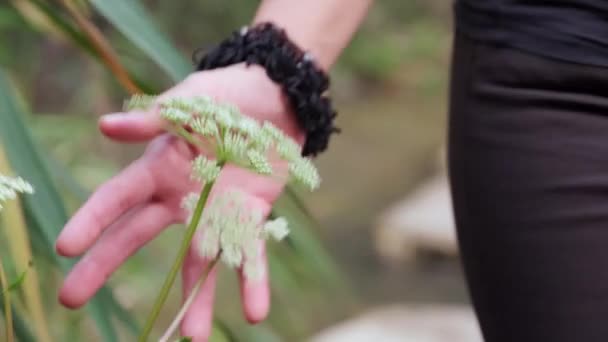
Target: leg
529,176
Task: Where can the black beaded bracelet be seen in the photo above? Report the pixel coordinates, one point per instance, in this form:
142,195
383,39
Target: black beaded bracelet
304,83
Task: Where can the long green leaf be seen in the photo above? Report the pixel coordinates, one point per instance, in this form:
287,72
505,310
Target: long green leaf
26,159
22,330
16,283
131,18
48,214
63,25
304,241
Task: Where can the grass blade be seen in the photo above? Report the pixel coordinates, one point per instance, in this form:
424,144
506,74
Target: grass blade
304,242
132,19
47,212
22,330
19,244
8,311
102,47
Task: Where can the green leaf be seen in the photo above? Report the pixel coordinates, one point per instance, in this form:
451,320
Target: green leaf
9,19
62,25
17,282
106,296
22,330
304,242
220,332
47,206
257,333
45,211
132,19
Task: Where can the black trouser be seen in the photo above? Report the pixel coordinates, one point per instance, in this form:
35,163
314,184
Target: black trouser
529,175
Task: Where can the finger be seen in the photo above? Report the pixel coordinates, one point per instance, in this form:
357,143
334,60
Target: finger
118,243
255,293
134,126
139,125
129,188
258,194
198,320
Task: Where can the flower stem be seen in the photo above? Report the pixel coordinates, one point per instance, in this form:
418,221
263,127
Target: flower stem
189,300
179,260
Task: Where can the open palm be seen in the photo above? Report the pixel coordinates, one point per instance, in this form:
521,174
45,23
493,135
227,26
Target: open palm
136,205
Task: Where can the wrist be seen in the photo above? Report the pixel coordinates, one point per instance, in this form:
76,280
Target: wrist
321,27
307,39
302,81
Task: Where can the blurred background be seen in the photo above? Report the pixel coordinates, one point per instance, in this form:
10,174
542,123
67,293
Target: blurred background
381,218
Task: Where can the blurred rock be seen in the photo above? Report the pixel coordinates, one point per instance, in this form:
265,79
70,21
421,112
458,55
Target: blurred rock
422,222
431,323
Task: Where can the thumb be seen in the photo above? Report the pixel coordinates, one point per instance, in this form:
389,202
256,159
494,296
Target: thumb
133,126
143,125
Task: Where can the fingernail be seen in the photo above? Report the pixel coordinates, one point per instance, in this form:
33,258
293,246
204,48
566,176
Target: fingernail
113,117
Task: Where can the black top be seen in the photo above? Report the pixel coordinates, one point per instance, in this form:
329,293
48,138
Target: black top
572,30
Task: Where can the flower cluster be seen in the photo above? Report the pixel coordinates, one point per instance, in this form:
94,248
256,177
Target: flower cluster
231,137
11,186
234,229
231,230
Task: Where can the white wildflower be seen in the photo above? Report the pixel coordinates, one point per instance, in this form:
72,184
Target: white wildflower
253,268
304,172
248,126
259,162
205,170
261,141
236,139
288,150
223,117
139,101
205,127
175,115
188,106
210,244
11,186
236,230
235,147
277,229
189,201
273,132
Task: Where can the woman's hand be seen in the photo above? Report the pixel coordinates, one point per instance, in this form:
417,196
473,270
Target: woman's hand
136,205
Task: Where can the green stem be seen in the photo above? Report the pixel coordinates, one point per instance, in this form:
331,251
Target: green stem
179,260
186,135
8,312
182,312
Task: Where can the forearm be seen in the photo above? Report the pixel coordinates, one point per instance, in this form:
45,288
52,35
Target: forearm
322,27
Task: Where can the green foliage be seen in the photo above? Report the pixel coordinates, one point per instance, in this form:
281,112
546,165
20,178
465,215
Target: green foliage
302,261
14,285
9,18
45,212
377,61
20,324
132,20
